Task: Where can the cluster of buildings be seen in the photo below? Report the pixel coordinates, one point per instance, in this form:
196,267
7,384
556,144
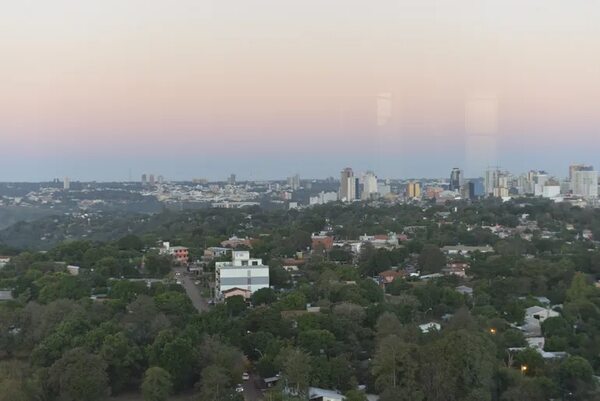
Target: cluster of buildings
581,182
365,186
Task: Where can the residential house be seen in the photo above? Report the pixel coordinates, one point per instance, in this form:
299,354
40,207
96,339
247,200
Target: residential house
430,327
466,250
180,254
463,289
321,241
387,277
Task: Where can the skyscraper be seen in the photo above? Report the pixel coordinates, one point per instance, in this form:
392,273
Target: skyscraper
144,179
456,179
369,185
294,182
231,179
585,183
66,184
347,185
413,190
573,169
151,179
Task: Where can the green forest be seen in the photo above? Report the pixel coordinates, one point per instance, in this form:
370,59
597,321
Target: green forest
123,325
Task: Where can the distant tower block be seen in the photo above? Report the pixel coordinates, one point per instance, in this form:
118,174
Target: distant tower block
66,184
481,127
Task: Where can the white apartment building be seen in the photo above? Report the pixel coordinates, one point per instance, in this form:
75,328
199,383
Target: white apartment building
369,180
242,272
585,184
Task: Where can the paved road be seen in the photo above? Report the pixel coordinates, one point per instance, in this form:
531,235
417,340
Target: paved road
251,391
193,292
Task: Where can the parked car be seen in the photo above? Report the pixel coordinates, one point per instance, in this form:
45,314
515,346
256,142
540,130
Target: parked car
245,376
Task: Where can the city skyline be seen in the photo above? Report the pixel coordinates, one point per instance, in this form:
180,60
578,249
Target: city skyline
93,90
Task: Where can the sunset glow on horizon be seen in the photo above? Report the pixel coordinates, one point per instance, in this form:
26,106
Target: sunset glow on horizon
86,83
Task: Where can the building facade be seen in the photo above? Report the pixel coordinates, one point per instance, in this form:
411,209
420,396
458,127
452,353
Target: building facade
241,272
347,185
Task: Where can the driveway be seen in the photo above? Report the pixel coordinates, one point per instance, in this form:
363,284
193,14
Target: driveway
251,391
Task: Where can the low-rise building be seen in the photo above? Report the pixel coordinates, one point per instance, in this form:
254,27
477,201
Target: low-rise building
466,250
242,272
430,327
180,254
324,242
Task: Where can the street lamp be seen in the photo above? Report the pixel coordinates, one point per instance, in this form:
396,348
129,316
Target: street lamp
492,331
523,369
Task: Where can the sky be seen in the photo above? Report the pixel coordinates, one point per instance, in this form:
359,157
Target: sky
108,90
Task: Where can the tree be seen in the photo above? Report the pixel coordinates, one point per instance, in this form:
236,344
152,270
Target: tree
356,395
395,368
61,286
459,366
431,259
387,325
123,359
580,288
130,242
296,368
263,296
157,265
316,342
236,305
176,355
214,384
79,375
157,385
577,375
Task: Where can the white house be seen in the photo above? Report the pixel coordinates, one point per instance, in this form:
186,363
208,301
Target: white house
242,272
321,394
539,313
430,327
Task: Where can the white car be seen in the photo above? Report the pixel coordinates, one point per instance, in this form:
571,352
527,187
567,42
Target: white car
239,389
245,376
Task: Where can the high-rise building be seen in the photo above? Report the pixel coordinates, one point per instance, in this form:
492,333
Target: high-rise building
144,179
539,182
347,185
294,182
575,168
369,185
578,167
585,183
491,180
66,184
497,182
456,179
413,189
151,179
231,179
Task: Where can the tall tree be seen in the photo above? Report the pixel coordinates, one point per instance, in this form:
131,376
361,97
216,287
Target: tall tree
396,368
79,375
157,385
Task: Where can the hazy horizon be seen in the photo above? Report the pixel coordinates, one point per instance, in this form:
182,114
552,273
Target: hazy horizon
266,89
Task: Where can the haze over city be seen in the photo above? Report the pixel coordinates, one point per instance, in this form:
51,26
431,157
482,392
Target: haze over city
101,90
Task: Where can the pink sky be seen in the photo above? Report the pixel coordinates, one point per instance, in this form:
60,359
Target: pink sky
270,75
